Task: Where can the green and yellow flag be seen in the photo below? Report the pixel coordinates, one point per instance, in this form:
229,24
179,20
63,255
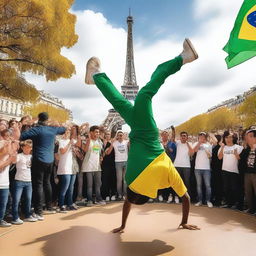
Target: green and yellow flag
242,42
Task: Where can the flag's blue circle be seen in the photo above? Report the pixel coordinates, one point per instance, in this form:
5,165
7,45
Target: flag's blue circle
251,18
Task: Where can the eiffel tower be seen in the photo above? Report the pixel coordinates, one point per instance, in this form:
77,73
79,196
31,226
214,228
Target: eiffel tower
114,121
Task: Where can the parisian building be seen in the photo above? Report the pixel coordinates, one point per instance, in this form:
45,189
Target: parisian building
10,108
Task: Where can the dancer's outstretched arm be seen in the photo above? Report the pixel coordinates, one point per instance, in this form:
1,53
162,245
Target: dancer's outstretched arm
126,210
185,211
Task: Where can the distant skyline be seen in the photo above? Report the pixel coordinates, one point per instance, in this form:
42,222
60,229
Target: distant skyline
159,30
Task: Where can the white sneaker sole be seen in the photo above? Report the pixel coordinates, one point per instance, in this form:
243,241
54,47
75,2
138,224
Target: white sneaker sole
5,226
192,48
89,67
17,223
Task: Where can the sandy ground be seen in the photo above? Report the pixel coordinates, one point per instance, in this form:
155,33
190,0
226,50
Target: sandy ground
151,230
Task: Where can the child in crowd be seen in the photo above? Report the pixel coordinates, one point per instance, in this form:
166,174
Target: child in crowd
22,184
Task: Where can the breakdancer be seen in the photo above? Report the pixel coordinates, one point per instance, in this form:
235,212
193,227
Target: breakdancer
149,168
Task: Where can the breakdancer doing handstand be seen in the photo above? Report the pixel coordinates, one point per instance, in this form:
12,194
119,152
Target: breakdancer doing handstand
149,168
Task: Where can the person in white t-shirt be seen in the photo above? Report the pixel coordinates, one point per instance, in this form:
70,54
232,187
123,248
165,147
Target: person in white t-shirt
8,156
67,168
203,151
92,165
22,184
121,155
230,153
182,160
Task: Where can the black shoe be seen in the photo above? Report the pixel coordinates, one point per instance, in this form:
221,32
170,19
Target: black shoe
63,209
224,206
49,211
72,208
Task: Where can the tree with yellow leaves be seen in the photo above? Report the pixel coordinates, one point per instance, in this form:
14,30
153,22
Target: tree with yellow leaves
32,33
219,119
247,111
222,118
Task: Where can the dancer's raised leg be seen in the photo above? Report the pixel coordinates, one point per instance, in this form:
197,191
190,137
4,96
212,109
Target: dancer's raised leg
142,107
104,84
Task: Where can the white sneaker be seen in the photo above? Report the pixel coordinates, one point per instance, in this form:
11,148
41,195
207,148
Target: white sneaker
209,204
107,199
177,200
100,203
189,53
113,198
160,198
198,203
169,199
4,224
30,219
151,200
92,67
17,222
38,216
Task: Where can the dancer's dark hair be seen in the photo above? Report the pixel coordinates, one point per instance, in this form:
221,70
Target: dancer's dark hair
135,198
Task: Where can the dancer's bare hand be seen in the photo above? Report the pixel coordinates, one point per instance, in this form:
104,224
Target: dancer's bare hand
118,230
190,227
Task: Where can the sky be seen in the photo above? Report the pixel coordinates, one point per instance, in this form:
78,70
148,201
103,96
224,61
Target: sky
160,27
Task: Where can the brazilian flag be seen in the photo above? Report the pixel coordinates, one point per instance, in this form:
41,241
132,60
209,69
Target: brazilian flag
242,42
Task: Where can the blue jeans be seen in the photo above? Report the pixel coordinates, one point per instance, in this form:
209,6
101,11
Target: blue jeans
206,176
96,178
67,182
184,173
20,187
120,180
3,202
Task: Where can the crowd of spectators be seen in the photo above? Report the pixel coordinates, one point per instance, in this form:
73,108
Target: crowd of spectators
47,168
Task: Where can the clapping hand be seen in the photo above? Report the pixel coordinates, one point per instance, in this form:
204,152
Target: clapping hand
235,152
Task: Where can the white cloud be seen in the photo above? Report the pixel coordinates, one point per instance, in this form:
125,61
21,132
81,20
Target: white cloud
193,90
217,8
